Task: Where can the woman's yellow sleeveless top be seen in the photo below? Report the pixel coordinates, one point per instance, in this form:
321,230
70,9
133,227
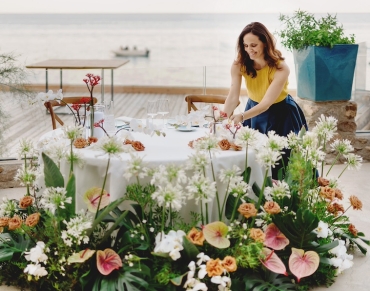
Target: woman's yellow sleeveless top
257,87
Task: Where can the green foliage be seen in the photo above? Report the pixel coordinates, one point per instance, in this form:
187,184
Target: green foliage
53,177
268,281
298,229
247,255
126,278
302,29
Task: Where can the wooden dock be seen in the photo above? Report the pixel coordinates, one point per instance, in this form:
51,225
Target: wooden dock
31,122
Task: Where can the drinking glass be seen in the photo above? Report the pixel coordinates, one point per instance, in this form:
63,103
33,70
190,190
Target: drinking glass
152,109
163,109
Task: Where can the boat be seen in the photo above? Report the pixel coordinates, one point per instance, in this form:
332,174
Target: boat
134,52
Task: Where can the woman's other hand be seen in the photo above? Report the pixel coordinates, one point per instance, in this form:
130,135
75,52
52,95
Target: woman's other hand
237,118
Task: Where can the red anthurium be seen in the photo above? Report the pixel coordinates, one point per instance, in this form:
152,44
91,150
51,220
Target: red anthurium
107,261
303,264
274,238
215,234
272,262
92,197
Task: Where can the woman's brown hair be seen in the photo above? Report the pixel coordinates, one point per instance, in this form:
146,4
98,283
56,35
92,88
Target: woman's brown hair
272,55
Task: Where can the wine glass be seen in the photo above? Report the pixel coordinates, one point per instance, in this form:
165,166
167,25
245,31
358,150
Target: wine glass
152,109
163,109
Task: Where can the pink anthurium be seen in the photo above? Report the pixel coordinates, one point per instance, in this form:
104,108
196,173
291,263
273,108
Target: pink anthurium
81,257
272,262
92,197
274,238
215,234
107,261
303,264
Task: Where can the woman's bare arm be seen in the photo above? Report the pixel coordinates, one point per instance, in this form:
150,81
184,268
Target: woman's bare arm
232,99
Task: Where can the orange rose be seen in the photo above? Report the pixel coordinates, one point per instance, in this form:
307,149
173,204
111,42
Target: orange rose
138,146
14,223
335,208
257,234
247,210
224,144
196,237
235,147
229,263
353,229
272,207
214,268
322,181
190,144
338,194
327,192
80,143
33,219
4,221
355,202
25,202
92,139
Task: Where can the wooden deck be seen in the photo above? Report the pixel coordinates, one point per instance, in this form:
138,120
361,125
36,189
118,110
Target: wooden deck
30,122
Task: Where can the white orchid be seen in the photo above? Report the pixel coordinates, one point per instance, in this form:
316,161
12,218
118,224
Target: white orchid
36,254
170,243
323,230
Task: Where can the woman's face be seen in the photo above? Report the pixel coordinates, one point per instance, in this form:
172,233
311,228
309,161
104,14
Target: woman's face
253,46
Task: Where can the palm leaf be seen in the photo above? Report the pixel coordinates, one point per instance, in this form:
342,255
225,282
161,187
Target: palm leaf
53,176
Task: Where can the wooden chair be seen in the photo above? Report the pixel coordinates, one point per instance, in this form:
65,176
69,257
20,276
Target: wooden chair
56,103
204,98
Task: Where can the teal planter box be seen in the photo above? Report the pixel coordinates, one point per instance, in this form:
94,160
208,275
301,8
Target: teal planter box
325,74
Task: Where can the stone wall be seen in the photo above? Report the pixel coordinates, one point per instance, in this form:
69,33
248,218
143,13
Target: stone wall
345,112
8,170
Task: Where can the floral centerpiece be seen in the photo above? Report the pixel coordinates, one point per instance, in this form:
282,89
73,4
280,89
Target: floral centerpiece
290,234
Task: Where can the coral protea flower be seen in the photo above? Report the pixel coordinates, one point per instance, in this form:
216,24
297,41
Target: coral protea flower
107,261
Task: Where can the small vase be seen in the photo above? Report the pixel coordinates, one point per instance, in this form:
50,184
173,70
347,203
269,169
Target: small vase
216,127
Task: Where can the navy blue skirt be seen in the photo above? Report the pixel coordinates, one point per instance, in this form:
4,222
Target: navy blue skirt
282,117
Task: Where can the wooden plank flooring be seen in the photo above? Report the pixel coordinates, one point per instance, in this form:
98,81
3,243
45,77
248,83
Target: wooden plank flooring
30,122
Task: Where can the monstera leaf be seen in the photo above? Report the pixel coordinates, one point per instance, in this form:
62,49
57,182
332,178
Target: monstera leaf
298,229
269,282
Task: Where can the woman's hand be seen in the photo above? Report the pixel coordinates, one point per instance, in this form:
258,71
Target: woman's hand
237,118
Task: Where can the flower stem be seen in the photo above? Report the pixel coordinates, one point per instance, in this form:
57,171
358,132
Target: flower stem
226,195
332,165
246,164
343,171
260,196
214,179
163,215
102,189
71,168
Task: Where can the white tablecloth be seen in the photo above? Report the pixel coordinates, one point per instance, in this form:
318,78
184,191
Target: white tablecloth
172,149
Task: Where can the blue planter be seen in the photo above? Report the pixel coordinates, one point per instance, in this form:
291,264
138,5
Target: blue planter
325,74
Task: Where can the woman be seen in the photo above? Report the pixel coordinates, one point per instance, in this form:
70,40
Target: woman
269,107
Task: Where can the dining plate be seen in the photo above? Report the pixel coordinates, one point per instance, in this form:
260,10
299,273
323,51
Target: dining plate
184,128
120,123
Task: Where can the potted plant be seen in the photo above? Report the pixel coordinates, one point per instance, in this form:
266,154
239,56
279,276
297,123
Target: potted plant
324,57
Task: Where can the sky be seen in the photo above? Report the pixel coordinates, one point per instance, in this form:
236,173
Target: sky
183,6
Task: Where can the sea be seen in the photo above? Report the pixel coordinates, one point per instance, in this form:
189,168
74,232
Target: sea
194,50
